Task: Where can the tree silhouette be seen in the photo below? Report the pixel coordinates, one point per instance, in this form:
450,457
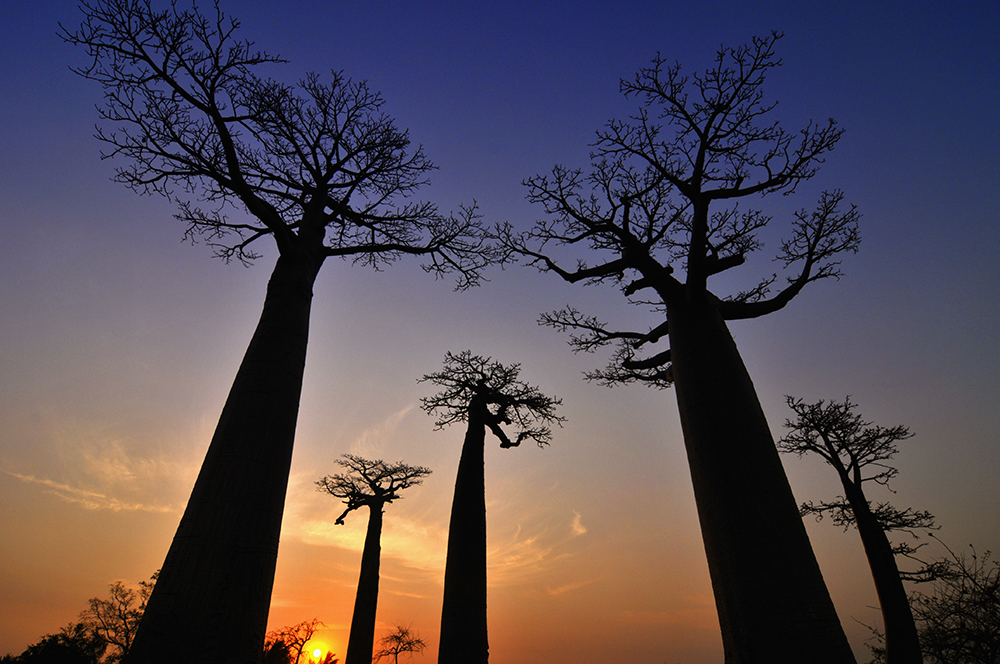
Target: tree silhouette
400,640
74,644
858,451
370,484
286,644
960,622
320,169
486,395
116,618
670,187
276,652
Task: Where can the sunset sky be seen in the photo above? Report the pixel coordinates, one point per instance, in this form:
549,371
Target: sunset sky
118,342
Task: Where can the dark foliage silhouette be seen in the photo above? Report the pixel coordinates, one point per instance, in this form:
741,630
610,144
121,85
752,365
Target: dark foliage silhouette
486,395
397,642
959,621
320,169
859,451
116,618
103,633
276,652
672,187
74,644
370,484
285,645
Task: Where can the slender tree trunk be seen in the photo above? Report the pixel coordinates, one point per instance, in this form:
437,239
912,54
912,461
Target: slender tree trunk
463,615
362,638
772,602
902,645
211,600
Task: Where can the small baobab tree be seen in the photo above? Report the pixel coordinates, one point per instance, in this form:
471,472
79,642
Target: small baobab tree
859,451
486,395
371,484
400,640
668,205
319,169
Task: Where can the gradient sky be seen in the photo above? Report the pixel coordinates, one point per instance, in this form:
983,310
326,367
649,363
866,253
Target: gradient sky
118,343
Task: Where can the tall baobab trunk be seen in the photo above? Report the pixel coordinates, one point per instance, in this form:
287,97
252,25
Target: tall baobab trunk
463,614
362,638
750,524
902,645
211,600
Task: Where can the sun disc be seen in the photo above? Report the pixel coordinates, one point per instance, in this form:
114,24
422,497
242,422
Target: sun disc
317,652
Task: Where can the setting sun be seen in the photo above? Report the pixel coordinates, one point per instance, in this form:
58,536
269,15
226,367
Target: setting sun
318,650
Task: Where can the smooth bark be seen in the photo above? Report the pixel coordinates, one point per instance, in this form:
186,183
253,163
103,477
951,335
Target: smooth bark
463,615
902,644
362,639
772,602
211,600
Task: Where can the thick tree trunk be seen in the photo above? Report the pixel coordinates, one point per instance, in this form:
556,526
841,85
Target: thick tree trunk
772,602
463,615
902,645
211,600
362,638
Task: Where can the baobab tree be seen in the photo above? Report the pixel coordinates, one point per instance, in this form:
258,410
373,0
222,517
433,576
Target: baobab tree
321,170
486,395
664,207
859,451
400,640
371,484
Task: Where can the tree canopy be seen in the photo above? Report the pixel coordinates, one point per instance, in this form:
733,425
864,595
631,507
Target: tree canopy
468,378
669,191
402,639
189,111
370,483
859,451
116,618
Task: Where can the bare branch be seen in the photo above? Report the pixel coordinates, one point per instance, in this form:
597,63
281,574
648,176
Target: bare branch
400,640
623,368
837,433
818,240
669,187
369,483
476,381
587,332
317,163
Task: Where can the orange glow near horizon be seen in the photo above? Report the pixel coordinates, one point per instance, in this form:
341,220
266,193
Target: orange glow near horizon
316,649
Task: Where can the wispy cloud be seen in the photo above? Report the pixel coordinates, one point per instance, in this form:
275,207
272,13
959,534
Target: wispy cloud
540,542
96,468
91,500
521,554
697,611
371,441
417,544
538,547
555,592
